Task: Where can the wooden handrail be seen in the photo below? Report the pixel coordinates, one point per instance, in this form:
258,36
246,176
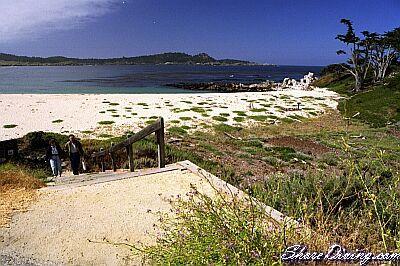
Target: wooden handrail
156,127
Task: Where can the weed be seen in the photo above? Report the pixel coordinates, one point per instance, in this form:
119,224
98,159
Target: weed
223,230
106,122
10,126
220,118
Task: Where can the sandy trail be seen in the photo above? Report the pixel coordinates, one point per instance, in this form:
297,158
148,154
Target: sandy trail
57,228
81,113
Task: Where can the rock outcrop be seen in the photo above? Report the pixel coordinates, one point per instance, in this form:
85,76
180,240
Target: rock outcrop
225,87
303,84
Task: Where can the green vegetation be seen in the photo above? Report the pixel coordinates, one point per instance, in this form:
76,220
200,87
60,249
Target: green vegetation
366,192
258,110
370,78
218,231
10,171
185,118
106,136
198,110
337,186
238,119
377,105
165,58
370,55
106,122
177,131
10,126
225,128
337,174
220,118
58,121
260,118
240,113
336,177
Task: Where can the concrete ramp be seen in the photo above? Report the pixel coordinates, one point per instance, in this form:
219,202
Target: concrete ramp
72,222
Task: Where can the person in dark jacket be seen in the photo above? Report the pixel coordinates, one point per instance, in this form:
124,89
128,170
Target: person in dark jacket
53,155
75,151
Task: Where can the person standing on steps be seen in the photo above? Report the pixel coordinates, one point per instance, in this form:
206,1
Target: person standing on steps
53,155
75,150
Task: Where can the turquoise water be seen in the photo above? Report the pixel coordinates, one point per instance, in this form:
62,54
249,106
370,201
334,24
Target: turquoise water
134,79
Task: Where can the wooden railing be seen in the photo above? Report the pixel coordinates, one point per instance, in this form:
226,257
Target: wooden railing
157,127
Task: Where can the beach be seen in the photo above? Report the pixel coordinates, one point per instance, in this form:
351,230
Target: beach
103,115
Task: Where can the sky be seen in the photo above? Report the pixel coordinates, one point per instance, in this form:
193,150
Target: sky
284,32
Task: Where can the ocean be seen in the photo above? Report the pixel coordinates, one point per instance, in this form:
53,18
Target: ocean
134,79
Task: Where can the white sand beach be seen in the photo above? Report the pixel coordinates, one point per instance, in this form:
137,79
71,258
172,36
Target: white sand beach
82,114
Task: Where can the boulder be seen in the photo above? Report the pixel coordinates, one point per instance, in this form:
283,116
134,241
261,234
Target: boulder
303,84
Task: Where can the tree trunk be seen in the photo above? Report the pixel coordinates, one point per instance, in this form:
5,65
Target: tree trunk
358,85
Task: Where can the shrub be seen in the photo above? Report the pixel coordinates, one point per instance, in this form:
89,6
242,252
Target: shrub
259,118
19,176
220,118
106,122
358,208
225,128
258,110
177,131
238,119
223,230
40,140
10,126
240,113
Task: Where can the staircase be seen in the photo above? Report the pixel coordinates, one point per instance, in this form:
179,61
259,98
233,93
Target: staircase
107,175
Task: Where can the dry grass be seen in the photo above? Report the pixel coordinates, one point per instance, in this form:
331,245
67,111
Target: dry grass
17,191
329,122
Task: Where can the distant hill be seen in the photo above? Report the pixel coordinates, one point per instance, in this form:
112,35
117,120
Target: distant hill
157,59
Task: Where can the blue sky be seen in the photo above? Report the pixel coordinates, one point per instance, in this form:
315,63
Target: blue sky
290,32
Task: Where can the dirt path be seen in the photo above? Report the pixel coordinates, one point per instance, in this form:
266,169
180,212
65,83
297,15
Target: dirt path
70,223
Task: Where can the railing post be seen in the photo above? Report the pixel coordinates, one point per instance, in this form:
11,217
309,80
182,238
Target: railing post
103,169
161,144
156,127
129,151
114,168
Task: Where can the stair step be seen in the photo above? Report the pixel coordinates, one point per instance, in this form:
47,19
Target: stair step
94,178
